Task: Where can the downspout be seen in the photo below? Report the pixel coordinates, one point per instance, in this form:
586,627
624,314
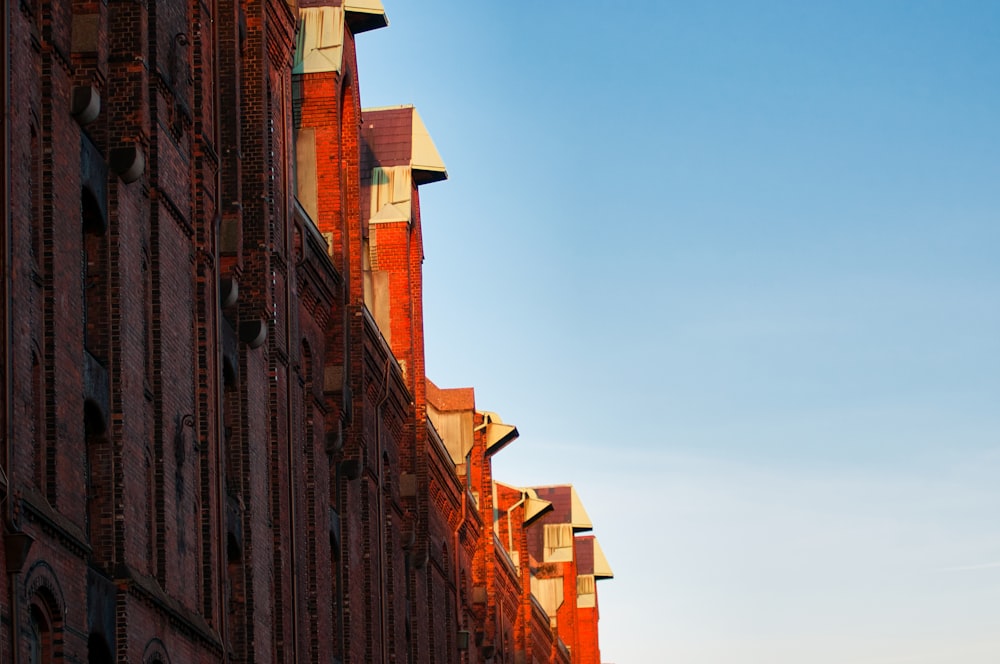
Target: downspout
289,425
417,431
8,388
220,437
220,406
290,450
5,286
510,549
413,347
459,609
339,573
500,650
347,397
413,319
379,505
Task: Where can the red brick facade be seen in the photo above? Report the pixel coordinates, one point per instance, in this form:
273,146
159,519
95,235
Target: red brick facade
219,443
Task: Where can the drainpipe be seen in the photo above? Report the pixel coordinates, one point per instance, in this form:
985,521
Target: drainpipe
6,252
292,480
286,179
5,285
220,406
220,429
459,609
380,464
347,397
339,573
413,318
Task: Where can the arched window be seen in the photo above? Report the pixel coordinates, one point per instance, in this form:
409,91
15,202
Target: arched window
42,629
35,192
150,516
44,458
236,599
155,653
98,482
307,372
308,430
94,274
147,319
40,636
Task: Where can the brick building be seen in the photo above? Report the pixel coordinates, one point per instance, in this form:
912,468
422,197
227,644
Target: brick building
219,442
565,565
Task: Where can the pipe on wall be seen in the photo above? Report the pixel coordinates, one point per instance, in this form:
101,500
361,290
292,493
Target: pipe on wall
510,531
380,506
6,252
220,405
456,543
293,348
290,437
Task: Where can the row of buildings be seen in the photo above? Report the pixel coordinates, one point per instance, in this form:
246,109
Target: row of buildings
219,439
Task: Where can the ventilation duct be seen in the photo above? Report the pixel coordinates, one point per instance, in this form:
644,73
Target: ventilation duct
85,104
128,162
253,333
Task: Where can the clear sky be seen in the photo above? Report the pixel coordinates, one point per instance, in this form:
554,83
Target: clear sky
733,270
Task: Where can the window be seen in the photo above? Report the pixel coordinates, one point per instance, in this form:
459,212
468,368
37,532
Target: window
40,637
94,272
98,482
35,192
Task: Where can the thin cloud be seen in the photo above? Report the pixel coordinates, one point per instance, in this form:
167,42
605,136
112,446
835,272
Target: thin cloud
969,568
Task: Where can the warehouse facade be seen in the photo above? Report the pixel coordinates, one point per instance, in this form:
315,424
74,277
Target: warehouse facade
219,440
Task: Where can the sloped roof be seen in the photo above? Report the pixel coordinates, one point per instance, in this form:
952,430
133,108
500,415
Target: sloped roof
590,558
567,506
319,44
365,15
534,507
397,136
454,398
498,434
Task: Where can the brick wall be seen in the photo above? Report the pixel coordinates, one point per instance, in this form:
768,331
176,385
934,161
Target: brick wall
216,451
156,494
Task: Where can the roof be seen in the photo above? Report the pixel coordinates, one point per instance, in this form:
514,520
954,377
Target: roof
397,136
590,558
319,44
567,506
498,434
365,15
455,398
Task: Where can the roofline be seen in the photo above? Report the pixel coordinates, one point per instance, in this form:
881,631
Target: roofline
364,15
393,107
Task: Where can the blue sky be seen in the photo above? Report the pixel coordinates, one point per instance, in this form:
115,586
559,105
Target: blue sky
732,269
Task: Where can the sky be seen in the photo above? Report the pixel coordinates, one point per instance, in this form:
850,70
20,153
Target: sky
733,270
